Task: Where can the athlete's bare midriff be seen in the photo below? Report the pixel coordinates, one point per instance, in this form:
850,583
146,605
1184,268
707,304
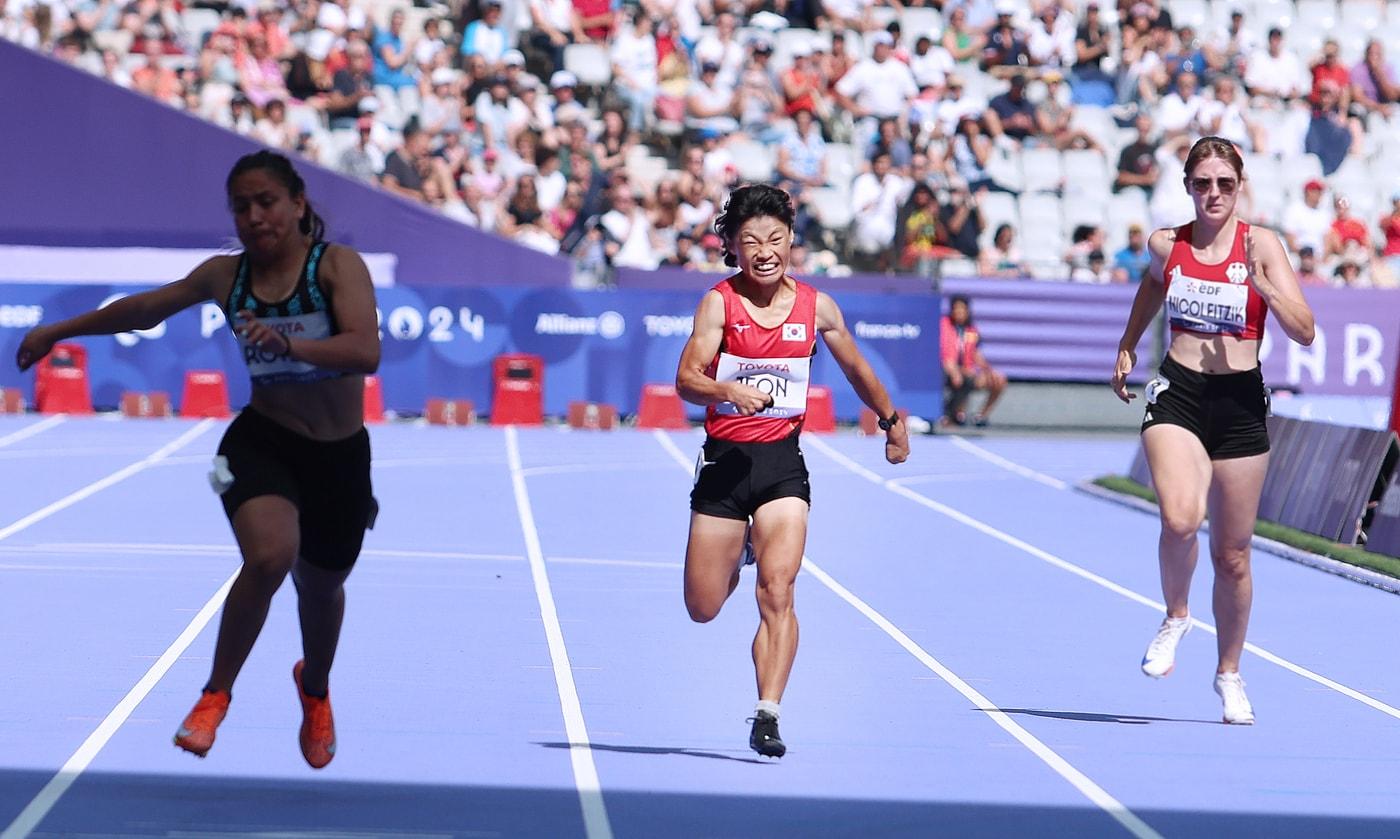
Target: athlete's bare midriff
329,409
1214,354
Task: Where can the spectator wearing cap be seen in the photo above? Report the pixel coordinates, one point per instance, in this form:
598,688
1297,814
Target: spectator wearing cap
512,66
1349,274
635,73
1347,234
440,110
530,112
1055,116
1012,114
395,84
1228,51
555,26
1137,163
1306,220
802,85
1091,47
954,106
563,90
1050,43
1131,261
1005,54
711,255
1275,76
761,113
875,88
363,161
960,40
486,36
1332,133
711,106
1373,84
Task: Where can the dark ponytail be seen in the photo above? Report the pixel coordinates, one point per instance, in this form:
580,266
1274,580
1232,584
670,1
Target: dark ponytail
277,165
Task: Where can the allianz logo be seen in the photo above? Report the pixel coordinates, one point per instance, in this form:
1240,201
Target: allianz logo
608,325
888,331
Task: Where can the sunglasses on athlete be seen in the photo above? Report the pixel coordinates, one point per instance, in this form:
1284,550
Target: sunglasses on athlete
1227,186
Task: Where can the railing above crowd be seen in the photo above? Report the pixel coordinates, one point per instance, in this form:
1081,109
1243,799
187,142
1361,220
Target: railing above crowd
970,137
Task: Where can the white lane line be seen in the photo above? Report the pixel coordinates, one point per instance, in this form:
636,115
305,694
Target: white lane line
1009,465
1048,756
590,790
30,430
175,549
1065,565
99,485
30,817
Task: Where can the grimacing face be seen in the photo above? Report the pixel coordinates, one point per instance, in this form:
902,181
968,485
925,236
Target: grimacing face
762,246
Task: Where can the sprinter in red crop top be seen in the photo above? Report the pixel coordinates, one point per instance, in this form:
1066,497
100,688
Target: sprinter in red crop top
1204,432
748,361
293,469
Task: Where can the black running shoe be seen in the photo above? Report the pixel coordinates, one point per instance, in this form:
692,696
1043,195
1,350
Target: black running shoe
765,739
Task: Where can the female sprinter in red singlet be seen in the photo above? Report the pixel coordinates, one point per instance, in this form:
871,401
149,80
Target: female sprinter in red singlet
1204,433
748,361
293,470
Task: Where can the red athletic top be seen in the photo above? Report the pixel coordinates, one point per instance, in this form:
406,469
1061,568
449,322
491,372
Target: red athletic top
1213,299
777,361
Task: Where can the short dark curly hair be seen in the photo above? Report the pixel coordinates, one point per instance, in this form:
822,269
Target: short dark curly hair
751,201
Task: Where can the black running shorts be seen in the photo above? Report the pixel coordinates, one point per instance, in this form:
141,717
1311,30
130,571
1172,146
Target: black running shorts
1227,411
327,481
734,479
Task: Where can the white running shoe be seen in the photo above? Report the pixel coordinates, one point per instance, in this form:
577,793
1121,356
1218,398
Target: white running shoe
1238,711
1160,657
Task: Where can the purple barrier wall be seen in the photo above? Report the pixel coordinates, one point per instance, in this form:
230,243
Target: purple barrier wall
83,162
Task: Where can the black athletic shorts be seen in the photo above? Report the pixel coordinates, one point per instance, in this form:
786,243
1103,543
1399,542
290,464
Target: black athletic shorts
1226,411
327,481
734,479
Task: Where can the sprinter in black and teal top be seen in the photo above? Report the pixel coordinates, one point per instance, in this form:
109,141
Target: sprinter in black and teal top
293,470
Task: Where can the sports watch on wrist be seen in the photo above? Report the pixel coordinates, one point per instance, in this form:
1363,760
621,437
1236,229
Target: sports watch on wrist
887,424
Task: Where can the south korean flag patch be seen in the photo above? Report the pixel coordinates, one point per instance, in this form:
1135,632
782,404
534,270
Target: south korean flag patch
1237,272
794,332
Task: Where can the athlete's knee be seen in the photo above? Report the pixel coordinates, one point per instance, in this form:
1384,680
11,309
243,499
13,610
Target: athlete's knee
1181,521
270,561
775,594
702,610
1231,562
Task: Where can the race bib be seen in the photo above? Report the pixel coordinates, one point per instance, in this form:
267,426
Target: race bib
1204,306
784,379
267,366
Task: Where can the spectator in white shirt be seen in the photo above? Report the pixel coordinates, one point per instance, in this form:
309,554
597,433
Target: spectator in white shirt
1222,116
876,87
486,36
1275,76
875,198
1179,110
1230,49
930,64
635,70
1306,221
631,241
1051,40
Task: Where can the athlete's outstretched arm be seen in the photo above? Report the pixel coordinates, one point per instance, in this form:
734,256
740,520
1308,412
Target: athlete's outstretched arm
832,326
705,338
138,311
355,348
1272,274
1152,290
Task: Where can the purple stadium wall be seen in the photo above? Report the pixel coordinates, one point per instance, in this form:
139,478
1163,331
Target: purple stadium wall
149,175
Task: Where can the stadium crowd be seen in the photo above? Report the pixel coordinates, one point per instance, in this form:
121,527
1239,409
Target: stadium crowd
990,137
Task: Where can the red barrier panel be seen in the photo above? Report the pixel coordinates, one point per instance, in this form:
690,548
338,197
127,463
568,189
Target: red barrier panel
374,399
146,405
821,414
450,412
592,415
519,389
661,407
205,395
